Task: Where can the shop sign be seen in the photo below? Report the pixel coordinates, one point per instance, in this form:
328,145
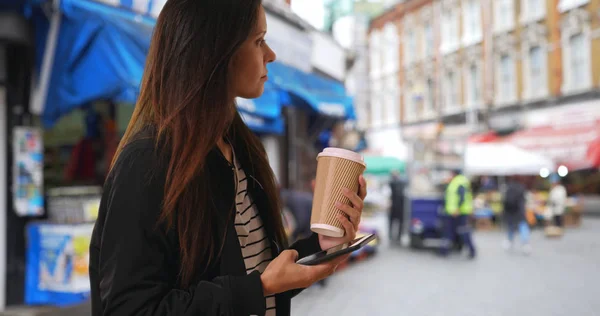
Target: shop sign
332,109
292,45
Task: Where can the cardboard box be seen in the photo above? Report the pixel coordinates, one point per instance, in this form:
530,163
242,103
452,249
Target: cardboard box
572,219
484,224
553,231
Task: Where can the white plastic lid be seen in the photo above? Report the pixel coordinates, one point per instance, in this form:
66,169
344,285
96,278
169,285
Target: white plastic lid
342,153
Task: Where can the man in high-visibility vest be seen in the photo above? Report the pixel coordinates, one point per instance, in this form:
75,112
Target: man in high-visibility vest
458,207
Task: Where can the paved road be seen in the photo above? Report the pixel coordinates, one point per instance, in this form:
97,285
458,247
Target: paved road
560,277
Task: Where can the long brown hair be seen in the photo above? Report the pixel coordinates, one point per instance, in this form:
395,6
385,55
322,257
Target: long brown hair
186,98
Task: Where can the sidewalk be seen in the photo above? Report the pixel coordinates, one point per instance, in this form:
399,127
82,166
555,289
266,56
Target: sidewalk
591,205
79,310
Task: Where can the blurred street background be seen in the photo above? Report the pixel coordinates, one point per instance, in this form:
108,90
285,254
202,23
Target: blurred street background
478,120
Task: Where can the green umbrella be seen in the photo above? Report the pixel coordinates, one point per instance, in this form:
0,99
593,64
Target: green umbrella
383,165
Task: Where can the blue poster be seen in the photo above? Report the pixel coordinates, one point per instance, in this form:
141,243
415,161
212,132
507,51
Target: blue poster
57,264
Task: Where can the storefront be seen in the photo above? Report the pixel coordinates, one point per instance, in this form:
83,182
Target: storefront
313,105
16,49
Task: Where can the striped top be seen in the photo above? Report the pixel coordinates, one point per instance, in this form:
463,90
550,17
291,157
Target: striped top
255,244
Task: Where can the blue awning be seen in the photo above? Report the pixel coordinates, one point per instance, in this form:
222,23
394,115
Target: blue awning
268,105
322,95
101,52
263,125
100,55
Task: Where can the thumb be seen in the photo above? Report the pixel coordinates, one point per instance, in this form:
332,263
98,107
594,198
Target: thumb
291,255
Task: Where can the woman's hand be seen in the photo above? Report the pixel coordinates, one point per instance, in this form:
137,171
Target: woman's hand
284,274
351,220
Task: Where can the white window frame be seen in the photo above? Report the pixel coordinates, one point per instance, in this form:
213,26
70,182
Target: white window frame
576,22
535,36
410,108
377,103
470,102
450,27
427,44
528,15
409,41
471,36
501,98
392,104
567,5
451,88
375,54
391,49
429,108
506,25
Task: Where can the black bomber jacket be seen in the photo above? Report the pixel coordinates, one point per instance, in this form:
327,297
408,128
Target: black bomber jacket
134,266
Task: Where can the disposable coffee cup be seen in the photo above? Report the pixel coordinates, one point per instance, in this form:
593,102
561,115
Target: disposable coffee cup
336,169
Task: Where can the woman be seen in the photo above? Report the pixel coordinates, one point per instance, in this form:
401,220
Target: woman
190,220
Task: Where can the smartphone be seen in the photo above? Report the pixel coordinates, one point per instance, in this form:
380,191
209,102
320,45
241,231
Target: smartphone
336,251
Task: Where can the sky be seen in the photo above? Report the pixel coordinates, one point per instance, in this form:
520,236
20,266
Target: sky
311,11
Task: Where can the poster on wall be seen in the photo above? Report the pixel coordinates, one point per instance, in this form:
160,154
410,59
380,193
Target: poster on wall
58,263
28,168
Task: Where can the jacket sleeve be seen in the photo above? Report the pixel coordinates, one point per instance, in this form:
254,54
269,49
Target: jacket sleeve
138,266
304,247
307,246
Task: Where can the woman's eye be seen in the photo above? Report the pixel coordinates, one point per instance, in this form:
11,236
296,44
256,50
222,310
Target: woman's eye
261,41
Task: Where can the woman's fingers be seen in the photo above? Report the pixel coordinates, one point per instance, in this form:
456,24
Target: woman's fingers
349,210
349,227
356,201
362,189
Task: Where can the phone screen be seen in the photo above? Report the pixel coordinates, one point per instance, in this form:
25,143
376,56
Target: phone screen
342,246
332,250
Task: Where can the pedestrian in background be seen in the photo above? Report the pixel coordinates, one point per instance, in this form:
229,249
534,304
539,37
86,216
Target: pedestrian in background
513,202
458,210
299,203
396,215
557,201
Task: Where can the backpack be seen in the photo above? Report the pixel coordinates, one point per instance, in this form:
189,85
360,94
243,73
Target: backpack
513,198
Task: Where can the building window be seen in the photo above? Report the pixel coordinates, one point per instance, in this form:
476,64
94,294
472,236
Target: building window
578,61
391,60
376,103
450,34
503,15
392,112
566,5
451,91
375,54
474,93
505,92
532,10
537,79
410,105
411,43
428,39
472,22
429,103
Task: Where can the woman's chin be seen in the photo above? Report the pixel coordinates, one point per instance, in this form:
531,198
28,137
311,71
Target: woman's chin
252,94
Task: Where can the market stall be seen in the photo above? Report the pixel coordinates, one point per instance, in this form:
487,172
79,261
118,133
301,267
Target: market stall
502,159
